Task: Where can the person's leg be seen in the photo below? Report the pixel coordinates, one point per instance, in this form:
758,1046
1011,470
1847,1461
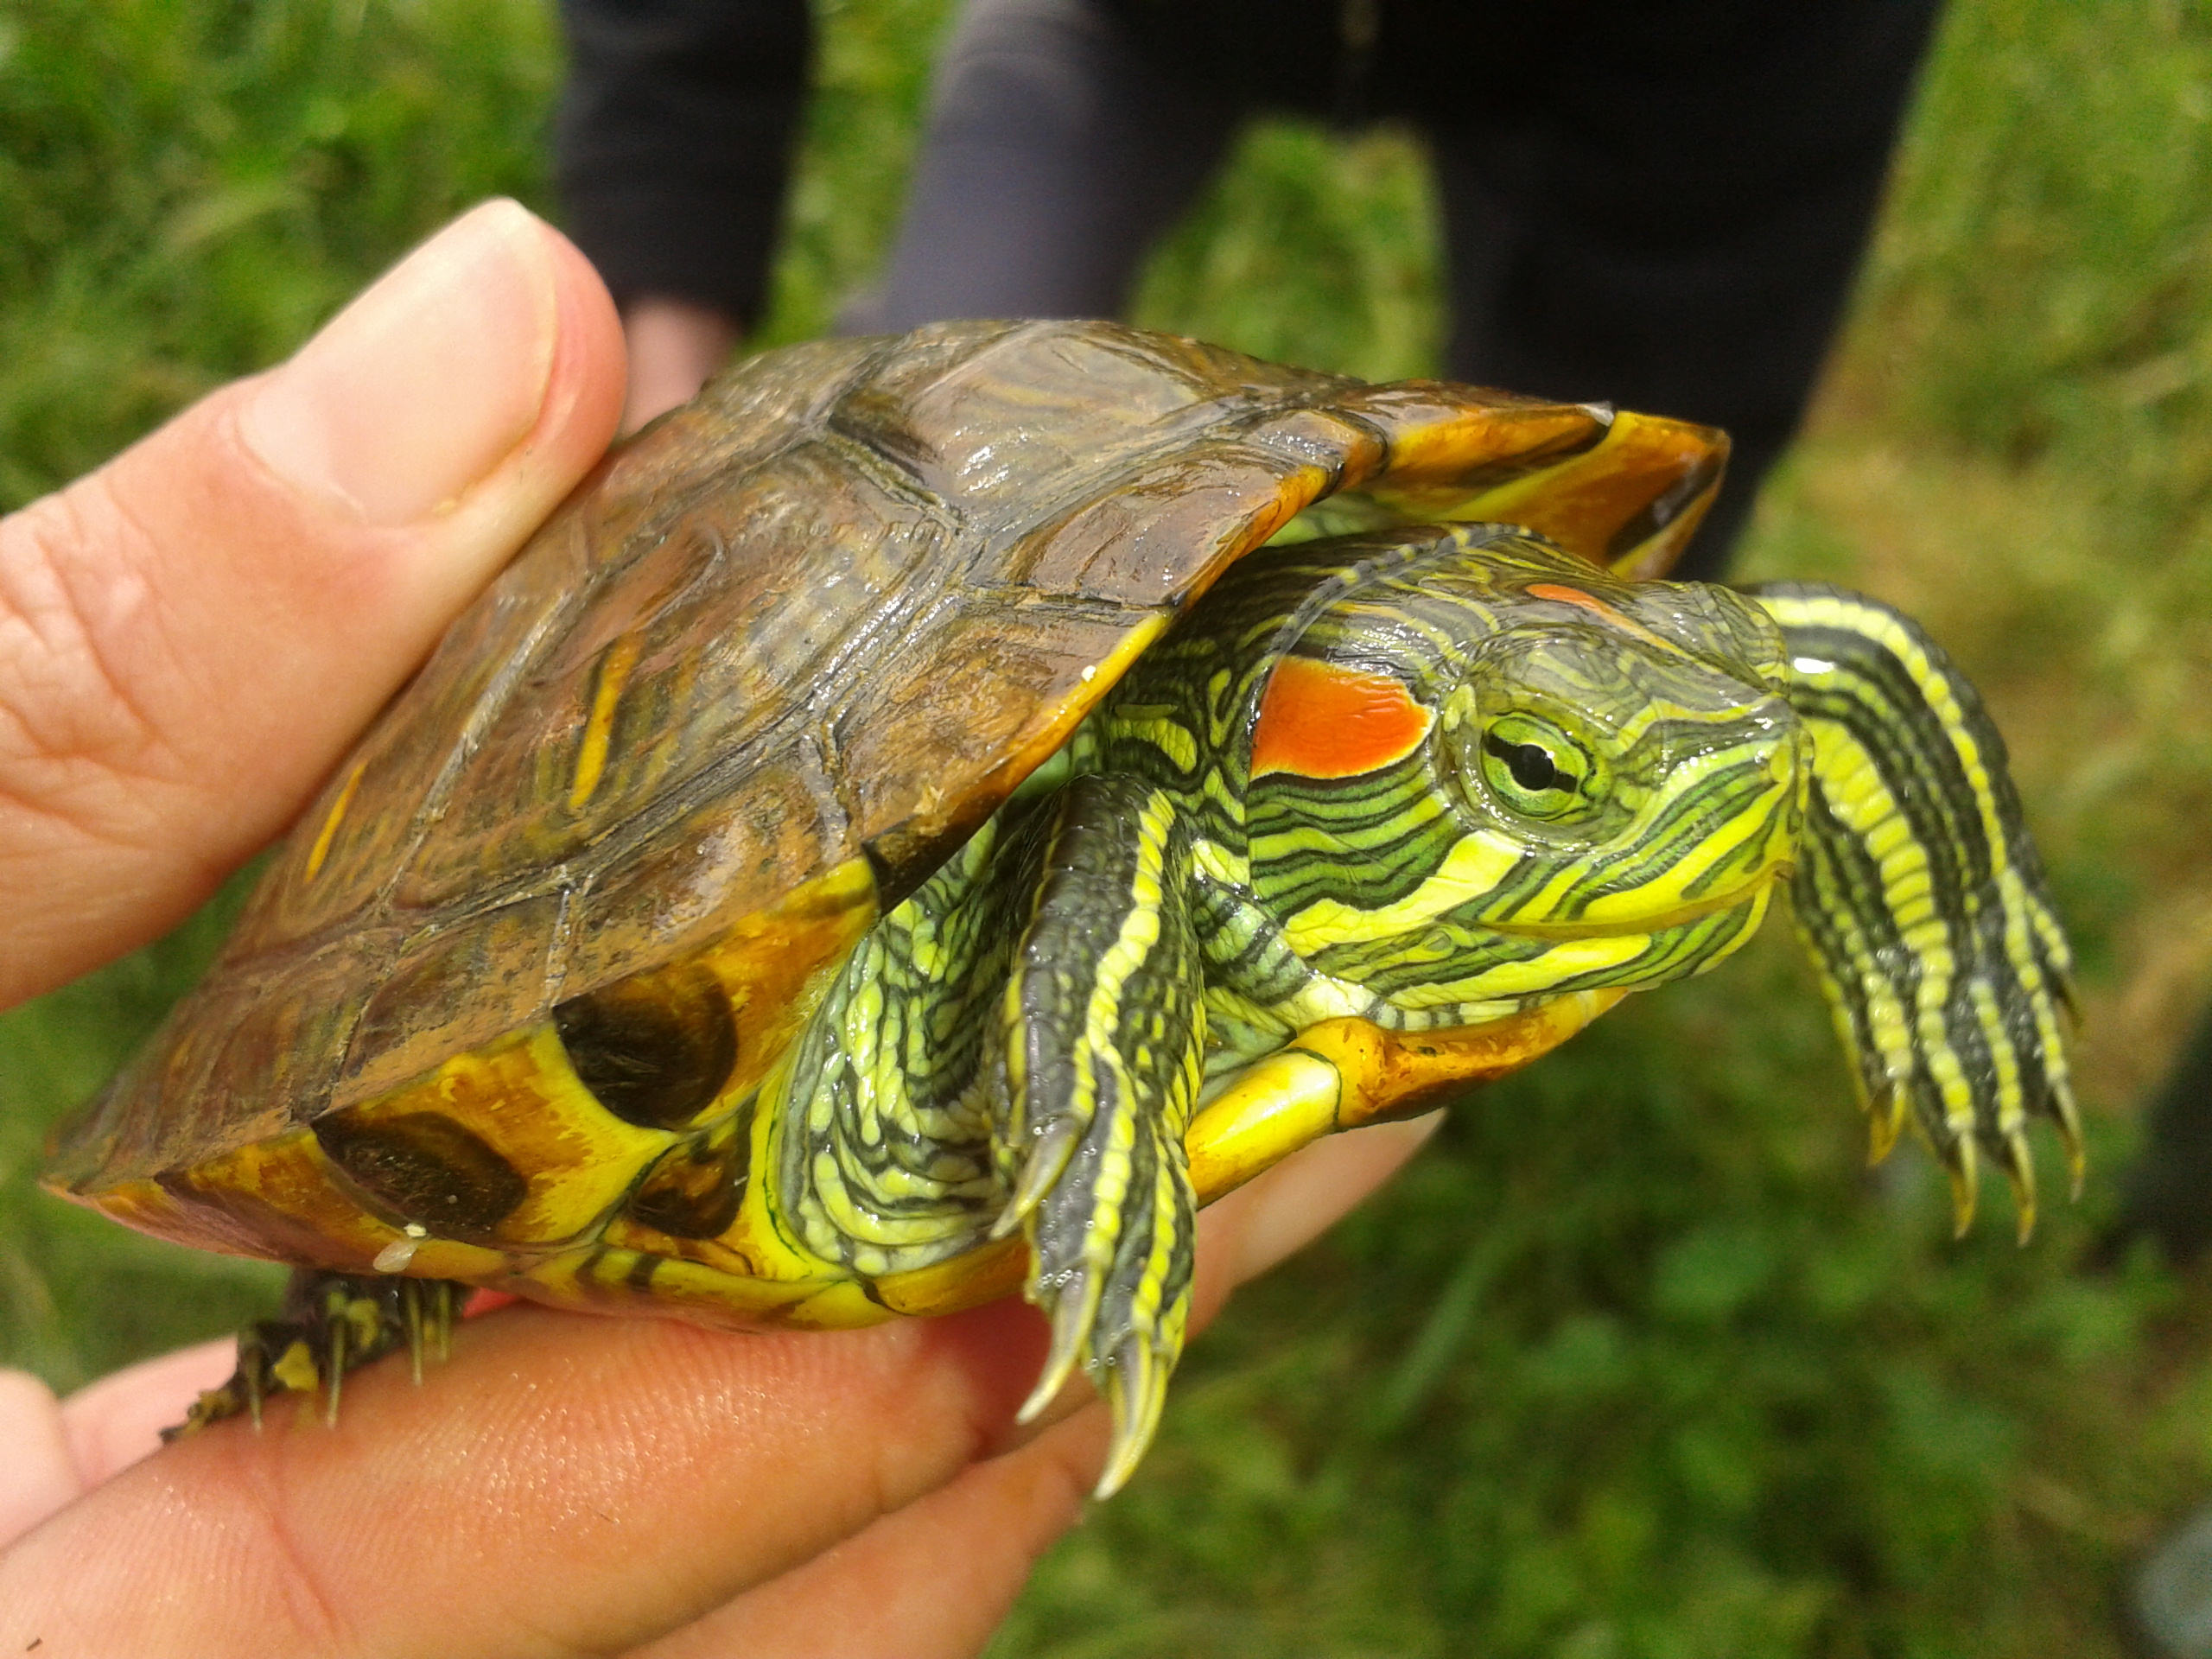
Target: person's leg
1674,224
1054,155
2167,1193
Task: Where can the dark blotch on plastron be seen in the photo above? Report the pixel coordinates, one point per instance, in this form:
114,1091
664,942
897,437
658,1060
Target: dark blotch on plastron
426,1168
654,1049
695,1190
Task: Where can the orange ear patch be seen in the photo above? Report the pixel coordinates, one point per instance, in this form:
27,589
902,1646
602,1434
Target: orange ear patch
1324,722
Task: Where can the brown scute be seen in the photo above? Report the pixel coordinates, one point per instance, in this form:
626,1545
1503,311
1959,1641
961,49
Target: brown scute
693,1192
456,985
736,853
408,759
972,423
425,1168
832,574
654,1049
1171,527
988,706
684,457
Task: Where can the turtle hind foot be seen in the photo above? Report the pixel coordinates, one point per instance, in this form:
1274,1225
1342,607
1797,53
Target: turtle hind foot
330,1324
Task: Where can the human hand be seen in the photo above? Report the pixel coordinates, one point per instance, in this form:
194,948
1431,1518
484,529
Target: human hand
189,639
674,344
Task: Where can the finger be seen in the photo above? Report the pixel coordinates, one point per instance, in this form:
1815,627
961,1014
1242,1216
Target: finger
1293,1204
37,1475
932,1580
118,1419
674,346
565,1485
937,1577
191,635
57,1450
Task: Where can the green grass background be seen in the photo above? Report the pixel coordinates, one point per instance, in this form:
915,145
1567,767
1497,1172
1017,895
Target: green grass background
1639,1359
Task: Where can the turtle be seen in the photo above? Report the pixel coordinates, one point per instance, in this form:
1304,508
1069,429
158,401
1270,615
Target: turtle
925,818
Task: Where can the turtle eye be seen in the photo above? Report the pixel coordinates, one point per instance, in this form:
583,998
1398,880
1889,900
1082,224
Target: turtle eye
1536,770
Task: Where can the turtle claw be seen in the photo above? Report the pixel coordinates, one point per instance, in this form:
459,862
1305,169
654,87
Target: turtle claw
1958,1156
1073,1316
2018,1162
1885,1116
2068,1120
426,1314
1048,1160
334,1371
1136,1391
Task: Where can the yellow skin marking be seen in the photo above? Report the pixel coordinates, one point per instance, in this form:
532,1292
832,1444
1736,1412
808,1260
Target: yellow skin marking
1172,740
1343,1074
606,692
336,815
1474,866
1483,858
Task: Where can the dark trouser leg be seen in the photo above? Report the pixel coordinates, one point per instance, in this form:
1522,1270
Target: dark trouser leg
2168,1191
1053,157
1678,234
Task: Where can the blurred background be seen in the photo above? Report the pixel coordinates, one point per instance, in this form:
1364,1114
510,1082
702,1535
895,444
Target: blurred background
1639,1359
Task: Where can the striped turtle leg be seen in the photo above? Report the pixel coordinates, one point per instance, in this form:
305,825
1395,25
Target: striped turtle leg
1104,1033
1920,893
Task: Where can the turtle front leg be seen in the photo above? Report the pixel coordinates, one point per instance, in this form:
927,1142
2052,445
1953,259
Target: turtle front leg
330,1324
1104,1033
1920,893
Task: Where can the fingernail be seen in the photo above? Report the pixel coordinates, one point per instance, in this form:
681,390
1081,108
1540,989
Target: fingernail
426,382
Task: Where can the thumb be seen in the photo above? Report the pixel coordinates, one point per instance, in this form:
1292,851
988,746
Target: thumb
190,637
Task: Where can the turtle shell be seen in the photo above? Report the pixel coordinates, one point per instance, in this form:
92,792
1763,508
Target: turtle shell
752,683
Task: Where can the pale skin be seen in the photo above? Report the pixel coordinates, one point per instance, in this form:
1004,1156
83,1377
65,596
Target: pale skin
189,639
674,345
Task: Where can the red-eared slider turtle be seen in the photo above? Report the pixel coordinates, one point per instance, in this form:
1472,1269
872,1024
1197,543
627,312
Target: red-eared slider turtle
936,811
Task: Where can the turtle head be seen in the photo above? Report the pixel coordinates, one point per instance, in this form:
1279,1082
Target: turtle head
1589,783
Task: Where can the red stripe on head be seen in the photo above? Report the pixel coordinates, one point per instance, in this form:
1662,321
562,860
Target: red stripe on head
1598,607
1321,720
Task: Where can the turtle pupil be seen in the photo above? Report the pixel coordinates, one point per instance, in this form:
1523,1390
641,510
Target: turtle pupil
1530,764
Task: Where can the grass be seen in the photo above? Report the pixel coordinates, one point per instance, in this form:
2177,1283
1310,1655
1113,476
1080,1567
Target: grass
1638,1360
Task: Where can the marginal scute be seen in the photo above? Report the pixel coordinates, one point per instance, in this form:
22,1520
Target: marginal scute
654,1049
425,1168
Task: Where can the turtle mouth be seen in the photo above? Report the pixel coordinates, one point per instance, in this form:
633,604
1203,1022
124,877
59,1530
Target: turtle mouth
1742,892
